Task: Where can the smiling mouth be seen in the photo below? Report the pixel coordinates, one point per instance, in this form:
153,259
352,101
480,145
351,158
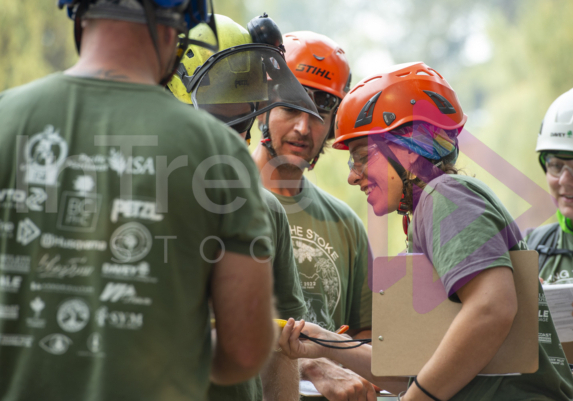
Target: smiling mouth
368,189
568,196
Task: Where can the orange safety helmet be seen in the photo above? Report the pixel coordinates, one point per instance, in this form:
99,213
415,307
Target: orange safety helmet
317,62
383,102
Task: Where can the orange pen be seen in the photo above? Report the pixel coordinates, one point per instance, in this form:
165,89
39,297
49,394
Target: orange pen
342,329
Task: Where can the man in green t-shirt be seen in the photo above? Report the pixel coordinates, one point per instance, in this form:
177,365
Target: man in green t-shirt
242,60
114,239
329,241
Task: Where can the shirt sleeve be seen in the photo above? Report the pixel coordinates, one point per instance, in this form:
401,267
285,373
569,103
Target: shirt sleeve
461,231
361,299
234,186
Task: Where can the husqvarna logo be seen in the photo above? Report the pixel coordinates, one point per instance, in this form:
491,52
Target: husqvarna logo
314,70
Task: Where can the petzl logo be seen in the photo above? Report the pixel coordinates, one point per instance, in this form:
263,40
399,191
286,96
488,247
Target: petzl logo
27,232
134,209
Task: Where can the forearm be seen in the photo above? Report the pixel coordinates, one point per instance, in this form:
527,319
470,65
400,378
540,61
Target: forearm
469,345
280,379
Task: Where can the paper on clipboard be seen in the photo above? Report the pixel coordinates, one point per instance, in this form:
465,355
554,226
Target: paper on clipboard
308,389
408,325
559,298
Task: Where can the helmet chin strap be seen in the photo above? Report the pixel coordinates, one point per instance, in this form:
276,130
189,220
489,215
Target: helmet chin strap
266,139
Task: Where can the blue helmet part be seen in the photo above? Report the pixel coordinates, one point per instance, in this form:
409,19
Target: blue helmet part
194,12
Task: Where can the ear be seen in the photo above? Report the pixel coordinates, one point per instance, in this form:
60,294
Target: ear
169,36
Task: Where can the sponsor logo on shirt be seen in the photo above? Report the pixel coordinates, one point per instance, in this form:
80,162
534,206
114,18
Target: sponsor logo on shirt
6,229
61,288
94,343
557,361
44,153
55,344
121,292
19,199
134,209
542,300
79,210
15,263
52,267
545,338
73,315
130,242
27,232
130,165
116,161
119,319
543,315
9,312
37,305
139,272
10,283
16,340
55,241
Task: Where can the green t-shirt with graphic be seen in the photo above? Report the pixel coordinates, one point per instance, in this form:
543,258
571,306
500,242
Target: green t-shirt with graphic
331,251
110,222
463,228
287,291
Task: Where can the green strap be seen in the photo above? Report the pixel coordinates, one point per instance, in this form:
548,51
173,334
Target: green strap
565,222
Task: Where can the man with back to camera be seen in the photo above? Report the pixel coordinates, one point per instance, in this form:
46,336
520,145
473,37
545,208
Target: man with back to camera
233,85
109,255
329,241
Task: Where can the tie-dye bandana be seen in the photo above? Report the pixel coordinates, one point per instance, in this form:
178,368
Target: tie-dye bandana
425,139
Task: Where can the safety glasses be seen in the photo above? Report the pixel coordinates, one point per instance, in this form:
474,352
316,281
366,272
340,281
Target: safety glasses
359,160
556,166
324,101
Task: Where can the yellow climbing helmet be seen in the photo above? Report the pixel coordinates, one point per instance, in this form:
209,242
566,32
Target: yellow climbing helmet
241,67
248,76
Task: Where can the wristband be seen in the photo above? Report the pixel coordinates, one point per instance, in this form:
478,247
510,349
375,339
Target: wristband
424,390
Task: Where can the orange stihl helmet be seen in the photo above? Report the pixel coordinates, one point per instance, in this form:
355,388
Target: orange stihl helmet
318,62
406,93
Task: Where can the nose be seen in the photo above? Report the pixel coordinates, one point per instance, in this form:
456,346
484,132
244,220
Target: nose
566,177
353,178
303,124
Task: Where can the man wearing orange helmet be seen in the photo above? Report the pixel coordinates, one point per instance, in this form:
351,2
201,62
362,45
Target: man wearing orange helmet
329,241
401,128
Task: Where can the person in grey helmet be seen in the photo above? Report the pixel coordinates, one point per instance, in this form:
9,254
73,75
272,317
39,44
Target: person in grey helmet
115,242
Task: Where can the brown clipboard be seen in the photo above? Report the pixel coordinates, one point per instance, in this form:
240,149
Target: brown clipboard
406,331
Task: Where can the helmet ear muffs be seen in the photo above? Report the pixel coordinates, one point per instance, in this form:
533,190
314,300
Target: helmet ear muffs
264,30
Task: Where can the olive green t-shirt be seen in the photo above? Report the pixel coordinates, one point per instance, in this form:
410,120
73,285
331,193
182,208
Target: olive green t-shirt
331,251
111,220
287,291
463,228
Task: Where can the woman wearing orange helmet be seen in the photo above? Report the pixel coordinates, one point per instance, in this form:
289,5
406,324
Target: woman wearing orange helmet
401,128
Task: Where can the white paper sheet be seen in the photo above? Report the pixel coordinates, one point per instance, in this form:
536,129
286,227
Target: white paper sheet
559,299
307,389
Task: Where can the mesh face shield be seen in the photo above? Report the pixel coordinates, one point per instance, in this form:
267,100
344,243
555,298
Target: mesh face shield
242,82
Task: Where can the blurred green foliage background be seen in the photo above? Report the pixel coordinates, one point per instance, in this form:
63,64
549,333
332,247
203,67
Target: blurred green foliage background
506,59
